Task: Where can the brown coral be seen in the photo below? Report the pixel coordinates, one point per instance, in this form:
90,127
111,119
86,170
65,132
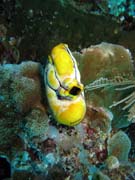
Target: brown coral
104,60
110,68
26,88
98,117
20,100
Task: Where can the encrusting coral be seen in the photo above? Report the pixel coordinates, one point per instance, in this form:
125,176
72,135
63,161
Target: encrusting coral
23,82
20,98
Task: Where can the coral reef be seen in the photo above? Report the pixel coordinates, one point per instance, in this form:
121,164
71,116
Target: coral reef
32,144
41,148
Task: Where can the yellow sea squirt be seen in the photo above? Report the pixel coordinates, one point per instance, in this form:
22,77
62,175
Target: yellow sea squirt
63,87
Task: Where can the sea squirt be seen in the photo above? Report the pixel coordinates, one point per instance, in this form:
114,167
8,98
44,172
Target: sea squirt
64,89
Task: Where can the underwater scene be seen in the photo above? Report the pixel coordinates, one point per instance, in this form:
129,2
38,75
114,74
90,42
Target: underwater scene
67,90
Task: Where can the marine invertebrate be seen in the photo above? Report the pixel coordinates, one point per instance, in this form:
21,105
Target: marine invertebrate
120,80
131,115
104,60
25,85
63,87
35,123
117,7
119,145
124,172
120,84
20,93
114,82
112,162
47,144
99,117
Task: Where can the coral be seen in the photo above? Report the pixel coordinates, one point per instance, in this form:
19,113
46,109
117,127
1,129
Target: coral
21,161
40,148
119,145
30,69
117,7
131,115
24,85
114,82
105,60
118,83
35,124
99,117
124,172
37,147
20,105
129,100
112,162
109,69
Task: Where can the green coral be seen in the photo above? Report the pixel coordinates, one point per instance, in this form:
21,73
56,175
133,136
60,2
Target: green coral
112,162
119,146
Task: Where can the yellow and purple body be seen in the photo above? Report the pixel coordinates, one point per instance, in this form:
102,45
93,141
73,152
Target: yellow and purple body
63,87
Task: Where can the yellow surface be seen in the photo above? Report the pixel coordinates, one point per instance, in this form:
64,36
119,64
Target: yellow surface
62,60
67,112
52,78
73,114
71,108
